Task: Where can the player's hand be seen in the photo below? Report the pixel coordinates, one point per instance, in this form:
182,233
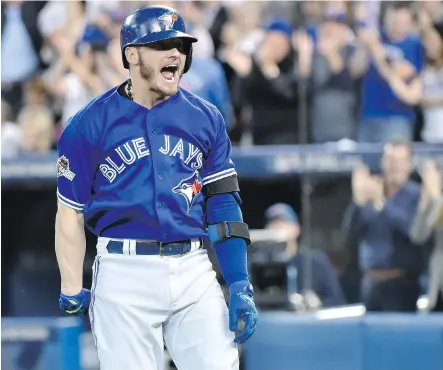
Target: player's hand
242,306
76,304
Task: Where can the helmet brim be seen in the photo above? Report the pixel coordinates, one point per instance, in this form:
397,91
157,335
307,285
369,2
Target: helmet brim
154,37
160,36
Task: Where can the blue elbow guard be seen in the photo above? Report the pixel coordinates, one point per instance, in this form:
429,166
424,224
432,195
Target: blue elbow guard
228,238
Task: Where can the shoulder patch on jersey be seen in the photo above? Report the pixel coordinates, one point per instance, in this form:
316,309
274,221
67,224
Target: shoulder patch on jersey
63,168
189,188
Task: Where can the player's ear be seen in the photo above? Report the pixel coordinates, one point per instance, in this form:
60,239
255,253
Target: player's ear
132,55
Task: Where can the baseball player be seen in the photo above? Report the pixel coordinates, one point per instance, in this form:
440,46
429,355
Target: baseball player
146,167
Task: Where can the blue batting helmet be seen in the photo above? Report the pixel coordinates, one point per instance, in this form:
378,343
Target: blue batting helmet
151,24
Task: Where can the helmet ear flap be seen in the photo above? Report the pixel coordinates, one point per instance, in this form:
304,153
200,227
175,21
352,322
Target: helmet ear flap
125,62
188,60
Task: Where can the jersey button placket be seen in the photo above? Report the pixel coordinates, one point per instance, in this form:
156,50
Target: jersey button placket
157,177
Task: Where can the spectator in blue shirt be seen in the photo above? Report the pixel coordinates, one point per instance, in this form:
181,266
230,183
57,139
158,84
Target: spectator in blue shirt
390,62
324,282
378,220
210,85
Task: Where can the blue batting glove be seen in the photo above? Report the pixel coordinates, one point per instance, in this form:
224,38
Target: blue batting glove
76,304
242,306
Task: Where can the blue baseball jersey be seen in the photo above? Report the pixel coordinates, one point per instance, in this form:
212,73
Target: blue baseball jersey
138,173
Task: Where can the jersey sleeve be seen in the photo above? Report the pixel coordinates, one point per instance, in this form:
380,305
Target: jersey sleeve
219,164
75,168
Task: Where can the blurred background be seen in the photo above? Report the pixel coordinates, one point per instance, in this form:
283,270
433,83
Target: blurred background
335,112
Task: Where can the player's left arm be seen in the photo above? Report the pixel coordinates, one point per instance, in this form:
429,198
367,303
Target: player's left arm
228,234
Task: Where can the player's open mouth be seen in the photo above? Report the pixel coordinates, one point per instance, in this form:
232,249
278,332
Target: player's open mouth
169,72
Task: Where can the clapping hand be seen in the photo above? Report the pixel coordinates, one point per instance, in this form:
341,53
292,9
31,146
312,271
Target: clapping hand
431,181
367,188
360,189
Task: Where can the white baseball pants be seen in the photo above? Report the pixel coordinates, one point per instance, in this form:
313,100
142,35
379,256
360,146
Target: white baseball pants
141,303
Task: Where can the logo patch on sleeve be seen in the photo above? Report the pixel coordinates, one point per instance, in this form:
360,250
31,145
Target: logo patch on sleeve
189,189
63,168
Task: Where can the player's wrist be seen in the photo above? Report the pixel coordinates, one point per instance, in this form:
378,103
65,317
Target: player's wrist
241,286
71,291
232,277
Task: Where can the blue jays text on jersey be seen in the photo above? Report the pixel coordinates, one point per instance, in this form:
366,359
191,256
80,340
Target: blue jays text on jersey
127,154
138,173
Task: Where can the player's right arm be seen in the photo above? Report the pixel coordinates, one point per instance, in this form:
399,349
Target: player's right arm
70,247
75,173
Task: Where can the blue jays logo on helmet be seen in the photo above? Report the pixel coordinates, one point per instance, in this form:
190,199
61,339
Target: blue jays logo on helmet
167,20
189,188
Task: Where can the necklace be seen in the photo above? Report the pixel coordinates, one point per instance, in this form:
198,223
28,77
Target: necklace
128,89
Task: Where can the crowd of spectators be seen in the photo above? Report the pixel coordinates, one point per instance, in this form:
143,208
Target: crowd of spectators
280,72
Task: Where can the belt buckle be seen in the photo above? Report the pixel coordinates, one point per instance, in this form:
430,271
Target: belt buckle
161,249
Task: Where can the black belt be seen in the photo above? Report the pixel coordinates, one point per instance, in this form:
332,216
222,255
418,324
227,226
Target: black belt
153,248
